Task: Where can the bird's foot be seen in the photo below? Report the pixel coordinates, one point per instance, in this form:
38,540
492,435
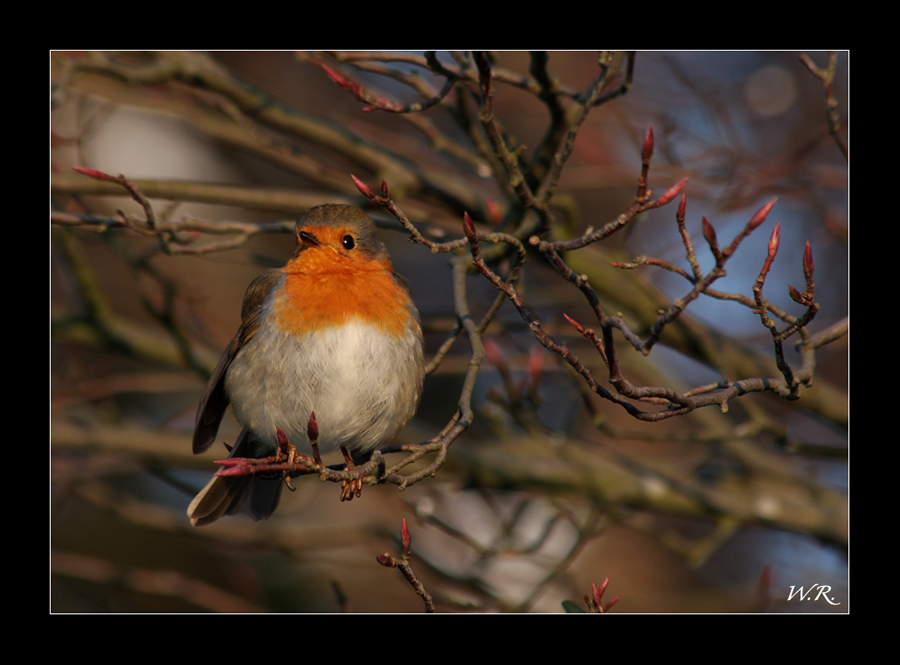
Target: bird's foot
350,488
286,460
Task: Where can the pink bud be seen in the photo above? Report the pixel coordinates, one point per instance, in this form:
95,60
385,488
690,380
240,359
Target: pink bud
808,265
363,187
493,211
574,323
795,295
233,471
760,215
92,173
535,363
775,239
647,150
493,352
468,225
682,206
346,84
334,76
386,560
611,603
405,538
709,232
312,427
672,192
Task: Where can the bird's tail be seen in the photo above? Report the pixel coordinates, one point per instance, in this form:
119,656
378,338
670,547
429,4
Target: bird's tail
258,495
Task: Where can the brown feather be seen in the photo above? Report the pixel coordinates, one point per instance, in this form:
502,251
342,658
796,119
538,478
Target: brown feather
215,400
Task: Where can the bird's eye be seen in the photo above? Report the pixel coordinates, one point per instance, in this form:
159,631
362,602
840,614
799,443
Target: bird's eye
348,242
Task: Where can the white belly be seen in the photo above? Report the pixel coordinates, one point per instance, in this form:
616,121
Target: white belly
362,384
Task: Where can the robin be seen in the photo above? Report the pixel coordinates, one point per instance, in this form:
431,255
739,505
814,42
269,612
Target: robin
334,332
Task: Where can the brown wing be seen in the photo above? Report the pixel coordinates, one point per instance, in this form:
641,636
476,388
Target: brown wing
215,400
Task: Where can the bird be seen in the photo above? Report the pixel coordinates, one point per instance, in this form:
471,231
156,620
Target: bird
333,333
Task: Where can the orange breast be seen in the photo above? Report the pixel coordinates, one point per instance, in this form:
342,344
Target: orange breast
322,291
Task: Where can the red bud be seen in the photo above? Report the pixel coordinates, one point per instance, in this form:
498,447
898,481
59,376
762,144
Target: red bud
384,187
611,603
760,216
233,471
312,427
494,211
493,352
682,206
795,295
471,233
647,150
93,173
709,232
574,323
468,224
535,363
672,192
775,239
334,76
405,538
386,560
363,187
808,265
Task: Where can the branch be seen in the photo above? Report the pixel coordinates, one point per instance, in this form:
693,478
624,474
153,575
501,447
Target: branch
831,105
403,565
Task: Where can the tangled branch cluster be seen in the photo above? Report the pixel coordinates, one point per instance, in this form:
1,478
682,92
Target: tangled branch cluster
467,90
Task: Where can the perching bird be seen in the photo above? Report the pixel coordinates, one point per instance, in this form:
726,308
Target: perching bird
334,332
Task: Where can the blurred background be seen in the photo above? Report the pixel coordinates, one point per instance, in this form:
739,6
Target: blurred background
552,488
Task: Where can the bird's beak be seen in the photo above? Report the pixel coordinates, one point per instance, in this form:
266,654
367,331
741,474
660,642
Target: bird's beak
308,239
